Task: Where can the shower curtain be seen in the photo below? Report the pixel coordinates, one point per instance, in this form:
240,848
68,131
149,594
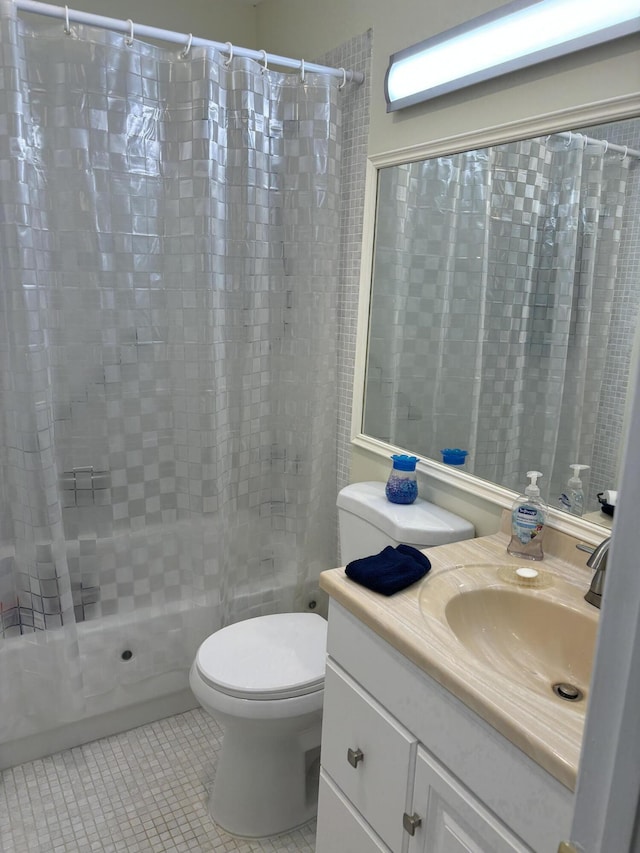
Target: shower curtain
490,311
168,263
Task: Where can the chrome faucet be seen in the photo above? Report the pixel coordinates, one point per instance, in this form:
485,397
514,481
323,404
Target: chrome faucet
598,562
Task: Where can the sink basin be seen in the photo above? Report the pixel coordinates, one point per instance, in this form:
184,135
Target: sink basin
533,636
525,636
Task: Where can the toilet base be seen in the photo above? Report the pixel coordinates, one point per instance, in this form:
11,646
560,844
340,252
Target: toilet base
266,779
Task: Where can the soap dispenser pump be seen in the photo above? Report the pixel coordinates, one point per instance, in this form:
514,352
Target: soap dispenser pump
528,519
573,498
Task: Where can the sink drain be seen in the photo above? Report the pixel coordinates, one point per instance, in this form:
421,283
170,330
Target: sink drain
568,692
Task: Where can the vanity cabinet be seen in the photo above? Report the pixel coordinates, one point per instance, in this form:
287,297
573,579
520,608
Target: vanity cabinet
451,819
407,768
385,792
368,754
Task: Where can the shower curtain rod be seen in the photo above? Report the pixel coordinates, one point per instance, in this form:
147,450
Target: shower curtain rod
609,146
132,30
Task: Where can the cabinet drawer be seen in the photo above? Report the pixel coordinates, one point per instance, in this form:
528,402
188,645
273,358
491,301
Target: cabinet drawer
368,754
452,819
340,826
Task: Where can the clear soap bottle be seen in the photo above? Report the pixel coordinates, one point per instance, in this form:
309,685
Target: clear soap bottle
528,519
575,493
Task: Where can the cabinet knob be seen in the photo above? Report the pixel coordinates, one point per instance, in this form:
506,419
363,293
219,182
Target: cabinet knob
411,822
354,756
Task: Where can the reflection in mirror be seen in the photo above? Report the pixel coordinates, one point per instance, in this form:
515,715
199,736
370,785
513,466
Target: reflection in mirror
504,307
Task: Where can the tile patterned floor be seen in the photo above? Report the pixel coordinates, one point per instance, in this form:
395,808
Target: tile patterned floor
143,791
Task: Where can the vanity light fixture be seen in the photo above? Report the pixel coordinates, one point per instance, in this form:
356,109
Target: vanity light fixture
522,33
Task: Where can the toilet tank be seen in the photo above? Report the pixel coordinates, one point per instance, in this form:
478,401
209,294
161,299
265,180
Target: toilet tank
369,522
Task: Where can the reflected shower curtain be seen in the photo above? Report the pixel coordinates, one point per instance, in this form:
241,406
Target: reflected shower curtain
494,304
168,251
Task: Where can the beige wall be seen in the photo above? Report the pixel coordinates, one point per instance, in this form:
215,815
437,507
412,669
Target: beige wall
219,20
311,27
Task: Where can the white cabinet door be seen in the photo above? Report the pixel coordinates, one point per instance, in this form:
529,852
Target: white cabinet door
340,828
452,820
368,754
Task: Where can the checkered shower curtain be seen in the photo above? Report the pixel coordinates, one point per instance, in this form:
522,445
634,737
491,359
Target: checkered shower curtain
168,295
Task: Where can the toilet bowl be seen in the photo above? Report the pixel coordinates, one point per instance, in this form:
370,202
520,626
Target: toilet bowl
263,681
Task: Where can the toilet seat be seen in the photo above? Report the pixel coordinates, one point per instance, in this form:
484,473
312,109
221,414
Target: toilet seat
280,656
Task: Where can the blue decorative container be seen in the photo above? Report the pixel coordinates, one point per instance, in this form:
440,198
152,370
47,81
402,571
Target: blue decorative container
402,487
454,456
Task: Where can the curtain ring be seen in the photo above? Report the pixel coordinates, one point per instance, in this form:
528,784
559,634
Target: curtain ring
569,139
302,70
67,28
186,50
227,62
129,39
606,146
265,66
626,151
344,79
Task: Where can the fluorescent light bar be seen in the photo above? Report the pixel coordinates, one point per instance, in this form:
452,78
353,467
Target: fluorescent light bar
522,33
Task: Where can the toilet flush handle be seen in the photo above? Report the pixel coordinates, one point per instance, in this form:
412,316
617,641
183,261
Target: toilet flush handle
354,756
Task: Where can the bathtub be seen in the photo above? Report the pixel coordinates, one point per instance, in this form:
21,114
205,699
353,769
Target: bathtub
130,671
115,672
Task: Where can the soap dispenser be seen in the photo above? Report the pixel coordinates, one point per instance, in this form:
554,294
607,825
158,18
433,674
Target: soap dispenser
528,519
573,498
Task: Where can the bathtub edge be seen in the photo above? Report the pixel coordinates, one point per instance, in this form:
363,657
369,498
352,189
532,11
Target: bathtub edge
83,731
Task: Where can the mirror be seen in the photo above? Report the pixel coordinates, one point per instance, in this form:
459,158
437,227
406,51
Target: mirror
504,306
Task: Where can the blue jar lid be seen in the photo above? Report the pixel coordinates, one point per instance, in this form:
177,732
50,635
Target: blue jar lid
454,456
401,462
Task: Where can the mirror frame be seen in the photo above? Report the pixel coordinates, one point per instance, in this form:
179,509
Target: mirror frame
624,107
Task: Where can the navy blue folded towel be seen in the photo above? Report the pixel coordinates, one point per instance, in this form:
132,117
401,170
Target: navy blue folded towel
389,571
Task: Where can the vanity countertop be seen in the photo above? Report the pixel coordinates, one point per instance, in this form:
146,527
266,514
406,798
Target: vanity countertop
547,729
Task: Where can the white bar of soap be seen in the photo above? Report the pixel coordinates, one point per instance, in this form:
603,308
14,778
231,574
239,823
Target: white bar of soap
527,573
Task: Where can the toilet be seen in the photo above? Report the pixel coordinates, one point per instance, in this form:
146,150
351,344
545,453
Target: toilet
263,679
368,522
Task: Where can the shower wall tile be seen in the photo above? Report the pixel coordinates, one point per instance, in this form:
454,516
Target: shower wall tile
354,54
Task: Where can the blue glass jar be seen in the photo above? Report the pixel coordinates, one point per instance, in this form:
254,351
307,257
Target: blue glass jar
402,486
454,456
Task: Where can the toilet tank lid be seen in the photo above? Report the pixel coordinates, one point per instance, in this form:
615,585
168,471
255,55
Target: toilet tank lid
419,523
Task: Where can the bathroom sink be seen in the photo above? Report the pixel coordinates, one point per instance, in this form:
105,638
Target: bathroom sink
538,633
